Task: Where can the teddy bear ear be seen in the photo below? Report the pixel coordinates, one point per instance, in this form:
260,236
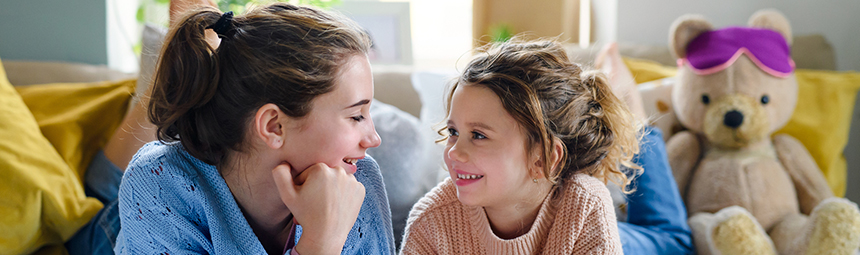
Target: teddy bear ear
773,20
685,29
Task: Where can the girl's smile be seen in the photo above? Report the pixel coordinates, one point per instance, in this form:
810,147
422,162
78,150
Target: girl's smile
486,153
466,178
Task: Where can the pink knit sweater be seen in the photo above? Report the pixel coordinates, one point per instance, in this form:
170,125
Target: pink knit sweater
580,221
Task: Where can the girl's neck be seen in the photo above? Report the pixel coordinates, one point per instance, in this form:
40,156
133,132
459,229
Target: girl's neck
258,199
514,220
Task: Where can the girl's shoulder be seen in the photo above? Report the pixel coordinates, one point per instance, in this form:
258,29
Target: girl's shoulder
165,169
159,158
171,199
583,188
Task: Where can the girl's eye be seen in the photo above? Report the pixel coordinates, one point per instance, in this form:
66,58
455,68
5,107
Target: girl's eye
476,135
358,118
453,132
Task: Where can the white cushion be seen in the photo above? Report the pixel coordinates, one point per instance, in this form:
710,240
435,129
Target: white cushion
657,100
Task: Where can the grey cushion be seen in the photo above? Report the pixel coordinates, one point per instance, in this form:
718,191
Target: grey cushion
408,158
151,40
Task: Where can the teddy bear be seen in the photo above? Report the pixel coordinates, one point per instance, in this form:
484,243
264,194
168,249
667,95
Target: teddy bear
748,191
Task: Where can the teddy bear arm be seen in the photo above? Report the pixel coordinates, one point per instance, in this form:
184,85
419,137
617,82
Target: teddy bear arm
684,151
808,180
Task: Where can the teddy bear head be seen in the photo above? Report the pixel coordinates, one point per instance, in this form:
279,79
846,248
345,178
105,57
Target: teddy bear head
735,85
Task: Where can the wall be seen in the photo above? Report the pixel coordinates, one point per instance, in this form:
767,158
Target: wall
122,35
649,21
54,30
536,18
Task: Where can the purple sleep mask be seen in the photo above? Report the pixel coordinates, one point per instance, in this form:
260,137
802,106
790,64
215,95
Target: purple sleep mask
716,50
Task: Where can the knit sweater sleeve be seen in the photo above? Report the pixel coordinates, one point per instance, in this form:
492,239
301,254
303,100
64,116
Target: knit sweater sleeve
372,232
600,235
155,218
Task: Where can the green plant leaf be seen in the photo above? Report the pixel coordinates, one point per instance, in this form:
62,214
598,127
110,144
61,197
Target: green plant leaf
137,48
325,4
501,32
140,14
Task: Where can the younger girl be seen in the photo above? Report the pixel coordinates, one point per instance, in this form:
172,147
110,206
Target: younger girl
531,141
261,132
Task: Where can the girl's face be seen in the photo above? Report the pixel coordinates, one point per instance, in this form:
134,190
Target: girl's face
486,152
338,129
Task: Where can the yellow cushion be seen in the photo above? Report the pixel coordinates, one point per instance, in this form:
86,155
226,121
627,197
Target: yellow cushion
42,201
821,120
78,118
645,70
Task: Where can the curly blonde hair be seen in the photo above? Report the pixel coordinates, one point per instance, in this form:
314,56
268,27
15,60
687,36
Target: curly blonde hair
553,98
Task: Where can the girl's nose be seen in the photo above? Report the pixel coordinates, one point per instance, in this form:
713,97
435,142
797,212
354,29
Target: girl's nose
456,153
371,139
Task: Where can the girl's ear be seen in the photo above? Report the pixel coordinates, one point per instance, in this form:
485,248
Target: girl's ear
557,152
269,126
555,158
536,168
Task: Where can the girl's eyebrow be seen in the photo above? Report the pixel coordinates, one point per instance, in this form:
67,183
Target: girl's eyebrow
360,103
480,125
475,124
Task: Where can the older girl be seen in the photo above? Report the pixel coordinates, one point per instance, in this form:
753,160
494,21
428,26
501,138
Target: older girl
263,140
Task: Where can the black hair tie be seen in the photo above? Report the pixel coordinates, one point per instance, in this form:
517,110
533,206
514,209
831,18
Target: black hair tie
223,25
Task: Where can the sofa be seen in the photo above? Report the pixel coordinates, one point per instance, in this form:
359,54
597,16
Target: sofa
409,104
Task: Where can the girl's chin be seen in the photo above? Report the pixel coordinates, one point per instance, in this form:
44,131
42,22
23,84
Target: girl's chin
467,199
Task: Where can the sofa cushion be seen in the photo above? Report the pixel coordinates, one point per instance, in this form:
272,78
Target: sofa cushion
408,158
393,85
36,72
152,38
42,200
78,118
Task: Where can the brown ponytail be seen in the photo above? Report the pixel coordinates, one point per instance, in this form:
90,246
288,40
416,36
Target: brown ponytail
553,98
281,54
613,133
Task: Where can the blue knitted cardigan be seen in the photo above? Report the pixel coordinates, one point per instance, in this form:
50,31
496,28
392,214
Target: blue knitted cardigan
173,203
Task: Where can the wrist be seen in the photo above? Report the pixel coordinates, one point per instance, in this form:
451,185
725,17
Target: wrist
311,245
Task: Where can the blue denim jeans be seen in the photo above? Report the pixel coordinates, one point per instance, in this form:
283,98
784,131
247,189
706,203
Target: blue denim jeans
101,181
656,216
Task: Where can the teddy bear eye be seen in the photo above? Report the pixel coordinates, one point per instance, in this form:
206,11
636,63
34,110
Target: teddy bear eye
706,99
765,99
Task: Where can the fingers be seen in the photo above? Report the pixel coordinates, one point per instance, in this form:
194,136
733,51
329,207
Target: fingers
317,176
325,201
284,182
305,174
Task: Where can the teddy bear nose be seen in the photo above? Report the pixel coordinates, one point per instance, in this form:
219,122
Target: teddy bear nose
733,119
